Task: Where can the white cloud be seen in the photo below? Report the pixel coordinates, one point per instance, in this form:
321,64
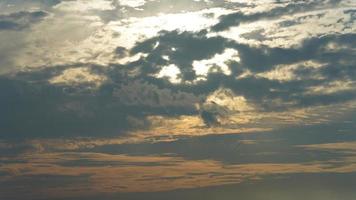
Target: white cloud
68,37
202,67
84,5
132,3
172,72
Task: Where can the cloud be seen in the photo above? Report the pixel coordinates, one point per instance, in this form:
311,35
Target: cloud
77,104
20,20
86,99
14,6
158,94
181,49
150,7
172,69
234,19
333,51
139,173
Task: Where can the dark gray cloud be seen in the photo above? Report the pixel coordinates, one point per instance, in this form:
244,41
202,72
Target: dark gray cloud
181,48
48,110
196,46
234,19
209,117
275,146
124,101
132,92
320,186
37,182
20,20
13,6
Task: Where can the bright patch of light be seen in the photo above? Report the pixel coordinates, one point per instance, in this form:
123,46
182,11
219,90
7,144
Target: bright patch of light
165,57
171,72
133,58
133,29
202,67
227,99
132,3
79,35
85,5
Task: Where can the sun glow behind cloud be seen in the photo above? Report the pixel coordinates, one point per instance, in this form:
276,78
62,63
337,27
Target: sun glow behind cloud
202,67
78,76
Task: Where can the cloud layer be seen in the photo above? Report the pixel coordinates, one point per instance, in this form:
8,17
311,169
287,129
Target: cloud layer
166,95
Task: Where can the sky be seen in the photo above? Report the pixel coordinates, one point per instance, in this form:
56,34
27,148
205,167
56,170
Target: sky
177,99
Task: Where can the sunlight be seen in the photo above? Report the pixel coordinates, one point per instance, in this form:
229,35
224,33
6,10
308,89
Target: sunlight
203,67
171,72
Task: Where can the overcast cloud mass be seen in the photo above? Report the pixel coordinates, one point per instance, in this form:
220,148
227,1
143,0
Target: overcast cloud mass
177,99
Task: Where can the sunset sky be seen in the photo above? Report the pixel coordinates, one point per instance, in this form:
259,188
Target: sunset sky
177,99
